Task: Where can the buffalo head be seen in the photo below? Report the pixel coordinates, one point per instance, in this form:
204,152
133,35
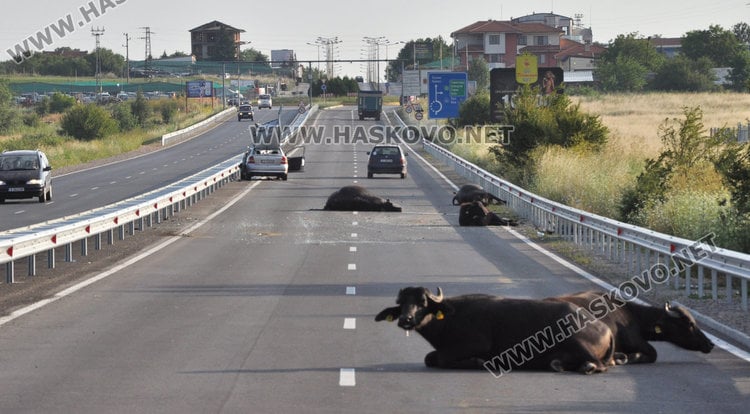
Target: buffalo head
678,326
416,307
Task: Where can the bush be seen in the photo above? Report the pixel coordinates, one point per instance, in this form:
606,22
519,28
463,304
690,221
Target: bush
88,122
124,117
140,109
31,119
60,103
474,111
168,110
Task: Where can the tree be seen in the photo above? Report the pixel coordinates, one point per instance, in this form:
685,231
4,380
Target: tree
626,63
740,74
88,122
406,55
742,32
717,44
225,49
140,109
479,71
683,74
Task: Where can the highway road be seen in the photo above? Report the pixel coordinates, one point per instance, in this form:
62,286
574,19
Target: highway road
85,190
268,307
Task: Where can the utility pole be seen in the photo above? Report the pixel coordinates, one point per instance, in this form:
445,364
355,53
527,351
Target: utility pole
147,37
127,57
329,42
98,33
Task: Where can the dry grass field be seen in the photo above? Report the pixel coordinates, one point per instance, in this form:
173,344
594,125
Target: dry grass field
596,181
634,119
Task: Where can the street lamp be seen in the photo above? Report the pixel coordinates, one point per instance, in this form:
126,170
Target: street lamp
317,45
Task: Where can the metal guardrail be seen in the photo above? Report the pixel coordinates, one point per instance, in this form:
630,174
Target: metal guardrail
692,266
125,216
175,136
122,217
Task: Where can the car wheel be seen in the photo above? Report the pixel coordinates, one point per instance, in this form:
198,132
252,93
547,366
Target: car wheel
403,175
41,198
2,201
284,177
369,175
49,195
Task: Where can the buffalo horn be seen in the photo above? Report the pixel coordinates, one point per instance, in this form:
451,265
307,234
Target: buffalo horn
438,297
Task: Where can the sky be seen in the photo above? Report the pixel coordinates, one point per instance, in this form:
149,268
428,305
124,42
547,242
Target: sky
292,24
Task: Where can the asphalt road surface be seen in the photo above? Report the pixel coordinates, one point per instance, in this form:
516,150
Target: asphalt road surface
109,183
268,307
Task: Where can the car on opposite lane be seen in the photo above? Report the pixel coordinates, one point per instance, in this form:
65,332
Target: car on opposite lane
25,174
245,111
265,101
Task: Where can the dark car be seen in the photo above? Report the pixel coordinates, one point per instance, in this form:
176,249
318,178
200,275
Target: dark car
386,159
25,174
245,112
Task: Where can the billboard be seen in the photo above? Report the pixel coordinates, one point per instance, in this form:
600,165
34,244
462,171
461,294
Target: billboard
280,57
199,89
504,84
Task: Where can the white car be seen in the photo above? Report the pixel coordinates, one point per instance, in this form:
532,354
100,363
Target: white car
264,161
265,101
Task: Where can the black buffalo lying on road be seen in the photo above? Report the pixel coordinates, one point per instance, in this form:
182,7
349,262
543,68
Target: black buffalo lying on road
357,198
476,214
482,331
634,325
471,192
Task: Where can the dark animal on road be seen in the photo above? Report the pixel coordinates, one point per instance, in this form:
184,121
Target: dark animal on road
357,198
471,192
634,325
500,334
476,214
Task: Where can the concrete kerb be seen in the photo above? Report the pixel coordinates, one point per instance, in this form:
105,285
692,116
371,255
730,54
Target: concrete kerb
195,129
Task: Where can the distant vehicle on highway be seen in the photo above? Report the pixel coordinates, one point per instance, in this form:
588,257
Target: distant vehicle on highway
386,159
265,101
264,161
25,174
245,111
369,104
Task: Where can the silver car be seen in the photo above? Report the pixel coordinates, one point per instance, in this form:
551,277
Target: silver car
264,161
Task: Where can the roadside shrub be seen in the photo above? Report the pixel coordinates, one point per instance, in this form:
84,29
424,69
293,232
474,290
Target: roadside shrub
60,103
140,109
31,119
124,117
88,122
688,214
9,118
474,111
168,110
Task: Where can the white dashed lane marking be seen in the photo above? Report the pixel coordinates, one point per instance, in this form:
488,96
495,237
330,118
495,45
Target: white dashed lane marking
351,290
350,323
347,378
351,266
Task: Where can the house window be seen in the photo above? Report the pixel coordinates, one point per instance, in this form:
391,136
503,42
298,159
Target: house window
540,40
211,38
542,59
522,40
494,39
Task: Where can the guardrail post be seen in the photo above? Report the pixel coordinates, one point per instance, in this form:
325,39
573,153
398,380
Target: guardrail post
51,258
69,252
32,265
10,272
98,241
714,284
84,247
728,288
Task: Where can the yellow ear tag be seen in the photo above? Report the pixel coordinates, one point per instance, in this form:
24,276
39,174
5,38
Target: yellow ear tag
389,318
439,315
657,329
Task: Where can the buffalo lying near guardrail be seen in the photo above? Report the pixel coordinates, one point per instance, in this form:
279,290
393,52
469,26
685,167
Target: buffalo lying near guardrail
483,331
476,214
357,198
471,192
634,325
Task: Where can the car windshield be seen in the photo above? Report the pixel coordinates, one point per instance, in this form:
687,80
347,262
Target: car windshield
385,151
21,162
245,108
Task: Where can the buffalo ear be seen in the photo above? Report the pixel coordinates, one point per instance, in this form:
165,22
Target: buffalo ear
389,314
